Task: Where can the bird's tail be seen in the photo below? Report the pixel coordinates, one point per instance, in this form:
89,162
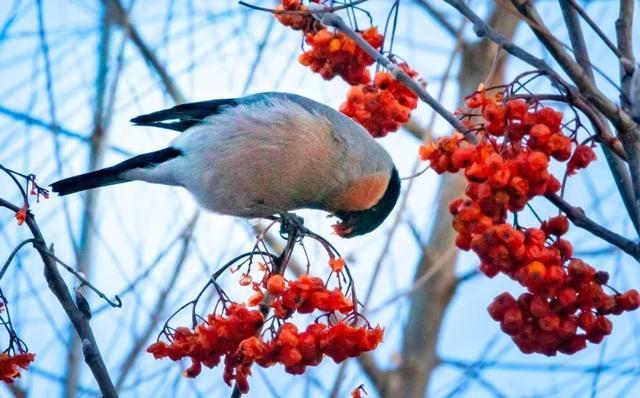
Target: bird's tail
112,175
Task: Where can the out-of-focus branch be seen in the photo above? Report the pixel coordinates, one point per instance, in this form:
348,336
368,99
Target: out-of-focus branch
576,9
80,322
121,17
438,16
97,147
620,119
159,307
16,391
63,132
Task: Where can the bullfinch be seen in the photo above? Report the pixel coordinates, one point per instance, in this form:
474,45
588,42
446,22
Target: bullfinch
262,155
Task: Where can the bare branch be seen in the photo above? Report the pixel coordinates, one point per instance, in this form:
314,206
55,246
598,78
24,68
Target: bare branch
624,34
90,349
30,120
440,18
616,165
121,17
578,217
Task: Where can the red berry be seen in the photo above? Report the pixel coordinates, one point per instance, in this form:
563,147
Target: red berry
512,321
500,305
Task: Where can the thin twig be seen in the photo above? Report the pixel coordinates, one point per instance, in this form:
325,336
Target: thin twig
627,129
578,218
621,120
616,165
90,349
575,6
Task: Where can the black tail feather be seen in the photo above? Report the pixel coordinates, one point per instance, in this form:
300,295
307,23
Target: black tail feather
112,175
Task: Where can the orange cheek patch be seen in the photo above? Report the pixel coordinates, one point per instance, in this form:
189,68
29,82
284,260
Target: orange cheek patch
362,194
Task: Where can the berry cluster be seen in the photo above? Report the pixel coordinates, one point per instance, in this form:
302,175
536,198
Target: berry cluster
219,335
505,169
10,365
336,54
383,106
304,296
298,20
296,350
16,356
37,191
236,334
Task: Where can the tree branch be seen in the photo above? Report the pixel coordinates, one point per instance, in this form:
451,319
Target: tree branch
337,22
624,35
80,322
30,120
439,17
616,165
121,18
578,217
483,29
628,131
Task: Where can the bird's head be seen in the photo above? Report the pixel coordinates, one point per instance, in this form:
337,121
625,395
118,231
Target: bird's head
360,222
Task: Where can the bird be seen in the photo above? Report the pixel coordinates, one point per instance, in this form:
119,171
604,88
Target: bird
264,155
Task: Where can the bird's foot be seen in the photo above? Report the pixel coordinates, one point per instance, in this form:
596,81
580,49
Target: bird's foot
290,222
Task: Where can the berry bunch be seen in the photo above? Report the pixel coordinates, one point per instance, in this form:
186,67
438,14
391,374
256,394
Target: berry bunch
296,21
37,191
336,54
383,106
505,169
306,295
296,350
236,334
10,365
16,356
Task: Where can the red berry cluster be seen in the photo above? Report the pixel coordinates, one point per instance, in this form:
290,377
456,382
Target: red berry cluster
306,295
14,357
336,54
219,335
10,365
296,350
505,169
236,334
358,391
383,106
296,21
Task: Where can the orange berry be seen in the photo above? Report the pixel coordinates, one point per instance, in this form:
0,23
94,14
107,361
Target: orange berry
336,264
275,284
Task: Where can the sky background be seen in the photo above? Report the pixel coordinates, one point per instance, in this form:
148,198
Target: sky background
209,48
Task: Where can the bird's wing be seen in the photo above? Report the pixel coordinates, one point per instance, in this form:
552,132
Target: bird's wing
181,117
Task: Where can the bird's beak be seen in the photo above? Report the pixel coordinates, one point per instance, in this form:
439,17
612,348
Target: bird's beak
343,228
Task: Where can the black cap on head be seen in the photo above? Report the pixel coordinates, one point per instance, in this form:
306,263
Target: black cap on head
361,222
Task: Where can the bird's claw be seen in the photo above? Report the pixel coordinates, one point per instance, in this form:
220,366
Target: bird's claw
290,222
